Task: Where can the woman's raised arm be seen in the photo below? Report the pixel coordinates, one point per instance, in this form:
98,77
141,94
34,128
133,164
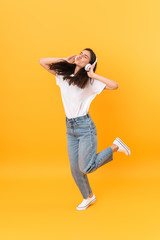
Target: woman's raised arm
46,62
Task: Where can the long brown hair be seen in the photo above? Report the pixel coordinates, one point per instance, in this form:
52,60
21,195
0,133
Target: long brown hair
65,69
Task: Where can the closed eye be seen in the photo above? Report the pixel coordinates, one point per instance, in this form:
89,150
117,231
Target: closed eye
85,55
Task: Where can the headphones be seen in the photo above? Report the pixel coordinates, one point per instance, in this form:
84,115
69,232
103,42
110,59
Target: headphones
89,65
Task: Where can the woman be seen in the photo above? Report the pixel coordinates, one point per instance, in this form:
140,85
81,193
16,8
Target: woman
79,85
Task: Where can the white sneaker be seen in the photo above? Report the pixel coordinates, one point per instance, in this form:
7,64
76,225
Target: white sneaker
86,202
122,146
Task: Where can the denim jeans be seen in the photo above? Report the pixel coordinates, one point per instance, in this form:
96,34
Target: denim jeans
82,151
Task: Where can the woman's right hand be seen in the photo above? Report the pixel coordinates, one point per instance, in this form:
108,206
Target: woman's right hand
70,59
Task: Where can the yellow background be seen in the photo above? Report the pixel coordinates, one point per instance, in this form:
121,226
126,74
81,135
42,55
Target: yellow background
38,194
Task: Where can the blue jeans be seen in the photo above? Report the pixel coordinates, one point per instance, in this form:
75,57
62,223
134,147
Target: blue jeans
82,151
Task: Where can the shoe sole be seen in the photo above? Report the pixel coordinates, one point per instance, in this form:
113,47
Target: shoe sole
82,208
124,145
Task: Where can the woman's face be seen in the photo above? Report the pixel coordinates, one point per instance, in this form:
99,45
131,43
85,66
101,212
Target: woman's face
83,58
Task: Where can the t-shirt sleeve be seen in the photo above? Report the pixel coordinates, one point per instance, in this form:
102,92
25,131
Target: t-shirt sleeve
97,86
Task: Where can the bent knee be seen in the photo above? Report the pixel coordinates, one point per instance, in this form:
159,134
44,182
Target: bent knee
85,170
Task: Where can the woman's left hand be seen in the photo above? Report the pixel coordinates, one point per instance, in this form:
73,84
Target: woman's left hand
70,59
91,73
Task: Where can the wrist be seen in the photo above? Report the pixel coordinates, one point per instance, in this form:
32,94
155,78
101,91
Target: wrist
94,75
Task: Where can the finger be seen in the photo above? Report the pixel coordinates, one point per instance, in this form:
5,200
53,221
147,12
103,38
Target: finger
71,56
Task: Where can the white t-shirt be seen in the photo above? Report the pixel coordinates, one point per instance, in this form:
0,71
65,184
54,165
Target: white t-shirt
76,101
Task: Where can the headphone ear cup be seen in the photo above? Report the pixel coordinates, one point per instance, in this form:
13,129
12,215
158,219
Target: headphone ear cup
87,67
